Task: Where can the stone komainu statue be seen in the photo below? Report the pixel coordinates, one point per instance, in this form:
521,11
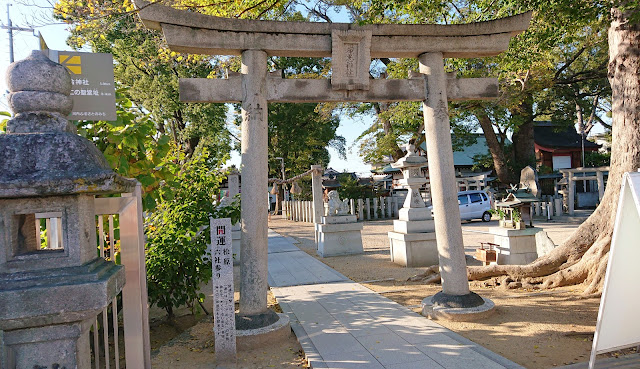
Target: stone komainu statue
337,206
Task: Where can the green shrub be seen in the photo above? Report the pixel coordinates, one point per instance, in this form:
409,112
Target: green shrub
178,234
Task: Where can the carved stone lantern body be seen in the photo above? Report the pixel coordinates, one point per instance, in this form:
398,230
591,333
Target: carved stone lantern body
414,215
51,287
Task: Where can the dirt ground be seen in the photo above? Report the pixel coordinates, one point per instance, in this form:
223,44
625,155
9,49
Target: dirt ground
194,348
536,329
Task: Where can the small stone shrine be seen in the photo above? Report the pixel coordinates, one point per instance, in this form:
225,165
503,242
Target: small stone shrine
413,240
339,233
516,236
49,297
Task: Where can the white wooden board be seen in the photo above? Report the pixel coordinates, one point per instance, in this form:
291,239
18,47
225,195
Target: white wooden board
618,325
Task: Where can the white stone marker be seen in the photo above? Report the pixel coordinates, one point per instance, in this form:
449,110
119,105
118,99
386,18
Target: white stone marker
223,307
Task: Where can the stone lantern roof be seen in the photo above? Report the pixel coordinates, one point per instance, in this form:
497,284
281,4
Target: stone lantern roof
410,160
41,155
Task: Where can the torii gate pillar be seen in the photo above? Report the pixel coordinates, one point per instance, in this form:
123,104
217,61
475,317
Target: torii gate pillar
455,286
254,145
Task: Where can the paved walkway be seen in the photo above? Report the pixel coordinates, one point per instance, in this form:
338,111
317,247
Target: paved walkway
342,325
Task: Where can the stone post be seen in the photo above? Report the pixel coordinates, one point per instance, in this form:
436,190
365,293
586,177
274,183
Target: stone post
444,195
360,212
253,257
558,206
368,208
600,178
375,208
352,206
571,188
316,189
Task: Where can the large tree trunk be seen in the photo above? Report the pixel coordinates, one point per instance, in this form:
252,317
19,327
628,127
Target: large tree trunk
583,257
523,144
497,152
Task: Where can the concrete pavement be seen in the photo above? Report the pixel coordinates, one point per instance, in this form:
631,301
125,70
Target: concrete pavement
342,325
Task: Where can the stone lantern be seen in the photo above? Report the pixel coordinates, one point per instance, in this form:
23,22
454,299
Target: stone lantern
50,293
413,240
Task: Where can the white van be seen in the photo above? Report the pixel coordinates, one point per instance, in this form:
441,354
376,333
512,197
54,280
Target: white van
474,204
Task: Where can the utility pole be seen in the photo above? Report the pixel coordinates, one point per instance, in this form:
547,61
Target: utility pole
10,28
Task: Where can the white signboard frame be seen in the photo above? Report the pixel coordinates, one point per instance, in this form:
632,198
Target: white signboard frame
223,302
618,327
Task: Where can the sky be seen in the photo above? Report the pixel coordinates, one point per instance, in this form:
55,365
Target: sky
55,36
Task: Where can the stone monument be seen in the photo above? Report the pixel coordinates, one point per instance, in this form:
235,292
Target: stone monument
49,297
413,240
529,179
339,233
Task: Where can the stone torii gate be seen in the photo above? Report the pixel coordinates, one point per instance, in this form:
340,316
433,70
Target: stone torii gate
351,48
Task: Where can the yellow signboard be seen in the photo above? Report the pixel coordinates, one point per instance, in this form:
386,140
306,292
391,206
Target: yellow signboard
73,63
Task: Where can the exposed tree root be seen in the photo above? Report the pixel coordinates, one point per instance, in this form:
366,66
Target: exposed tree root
430,275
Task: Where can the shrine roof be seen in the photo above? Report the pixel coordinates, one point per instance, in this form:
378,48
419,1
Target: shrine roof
552,136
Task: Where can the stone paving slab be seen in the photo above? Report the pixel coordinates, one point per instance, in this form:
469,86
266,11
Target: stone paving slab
290,266
343,325
278,243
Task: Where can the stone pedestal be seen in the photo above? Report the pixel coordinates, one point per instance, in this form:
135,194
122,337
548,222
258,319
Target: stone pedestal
413,249
66,345
413,240
515,246
339,235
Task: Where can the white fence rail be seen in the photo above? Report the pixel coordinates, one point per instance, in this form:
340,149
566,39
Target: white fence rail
363,209
128,312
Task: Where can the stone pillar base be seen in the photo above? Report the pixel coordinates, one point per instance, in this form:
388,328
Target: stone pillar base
247,339
413,249
339,239
456,313
515,246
